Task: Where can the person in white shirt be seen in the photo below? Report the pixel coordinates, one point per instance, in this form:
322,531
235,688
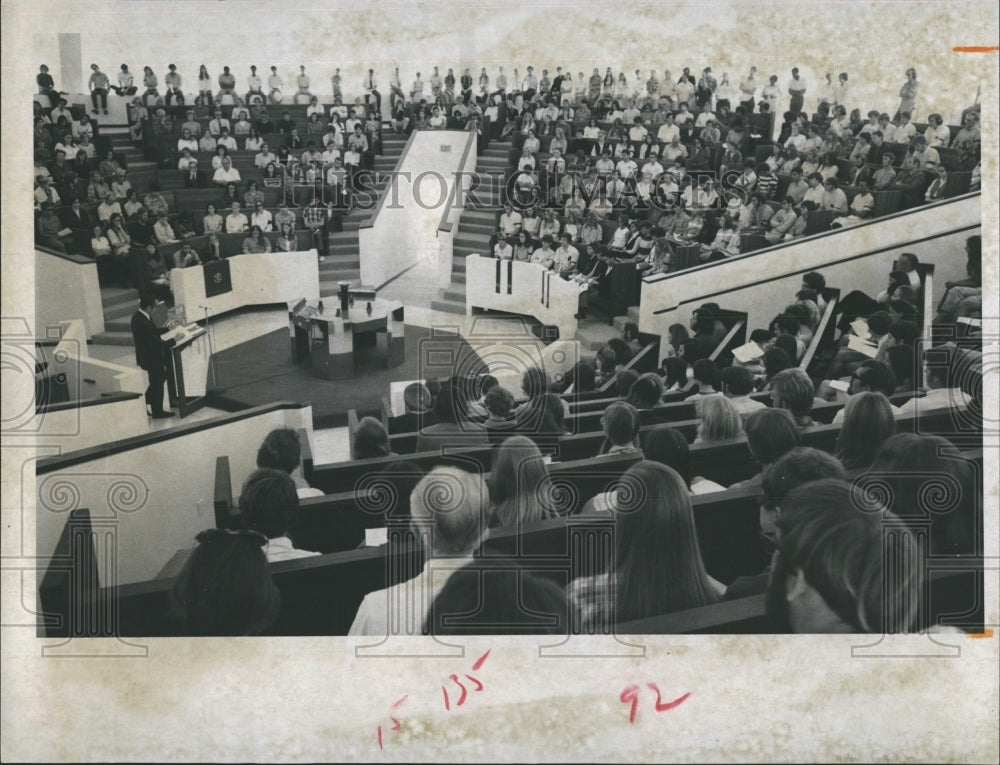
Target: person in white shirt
873,376
226,140
236,222
502,250
274,86
937,133
262,218
448,507
226,173
265,157
544,255
510,221
269,504
668,131
567,256
938,379
626,167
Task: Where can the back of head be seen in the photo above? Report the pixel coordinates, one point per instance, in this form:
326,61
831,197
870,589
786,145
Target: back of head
518,483
793,390
868,423
534,382
621,423
929,482
499,401
830,573
417,397
737,381
719,419
775,360
668,447
770,434
879,323
795,467
269,502
646,392
876,376
706,372
280,450
624,380
450,504
370,439
496,597
225,587
658,564
621,350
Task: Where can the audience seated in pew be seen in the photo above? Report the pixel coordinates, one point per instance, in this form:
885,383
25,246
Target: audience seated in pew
519,485
451,428
498,597
269,504
225,588
658,566
282,450
867,424
771,433
829,574
370,440
621,425
737,385
719,420
448,509
795,467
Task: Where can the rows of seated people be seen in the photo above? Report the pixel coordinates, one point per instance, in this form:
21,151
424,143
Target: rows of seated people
804,494
768,406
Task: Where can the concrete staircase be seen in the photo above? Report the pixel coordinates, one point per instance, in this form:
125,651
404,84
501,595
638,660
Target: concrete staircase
477,224
119,304
343,262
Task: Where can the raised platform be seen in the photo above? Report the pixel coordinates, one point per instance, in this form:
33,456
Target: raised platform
261,370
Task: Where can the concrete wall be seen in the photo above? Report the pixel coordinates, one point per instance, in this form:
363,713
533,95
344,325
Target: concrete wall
405,228
66,289
160,494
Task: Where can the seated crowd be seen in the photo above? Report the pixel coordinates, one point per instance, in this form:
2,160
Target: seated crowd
826,530
679,165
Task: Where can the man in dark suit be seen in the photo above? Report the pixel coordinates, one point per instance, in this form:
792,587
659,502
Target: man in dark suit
193,177
150,354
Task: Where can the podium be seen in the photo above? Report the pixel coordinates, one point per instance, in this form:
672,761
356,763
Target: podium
188,370
327,337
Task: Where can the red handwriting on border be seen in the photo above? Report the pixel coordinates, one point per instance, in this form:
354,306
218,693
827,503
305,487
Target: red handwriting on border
463,697
631,696
396,724
465,691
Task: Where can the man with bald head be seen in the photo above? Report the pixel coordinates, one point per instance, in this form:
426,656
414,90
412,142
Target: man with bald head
448,515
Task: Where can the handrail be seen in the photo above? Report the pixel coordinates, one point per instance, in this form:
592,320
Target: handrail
61,461
445,224
839,261
660,277
714,355
610,382
807,357
107,398
370,221
928,307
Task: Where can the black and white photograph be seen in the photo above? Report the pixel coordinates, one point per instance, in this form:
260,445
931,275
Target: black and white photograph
530,382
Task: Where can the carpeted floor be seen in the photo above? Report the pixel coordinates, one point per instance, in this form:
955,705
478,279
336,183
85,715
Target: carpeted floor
261,370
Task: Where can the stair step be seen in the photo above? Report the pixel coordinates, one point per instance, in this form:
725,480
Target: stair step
458,277
113,338
455,293
633,313
333,263
448,306
476,228
334,276
472,240
118,325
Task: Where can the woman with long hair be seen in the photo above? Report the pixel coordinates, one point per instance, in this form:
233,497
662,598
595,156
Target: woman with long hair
658,567
205,86
868,424
519,484
720,420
